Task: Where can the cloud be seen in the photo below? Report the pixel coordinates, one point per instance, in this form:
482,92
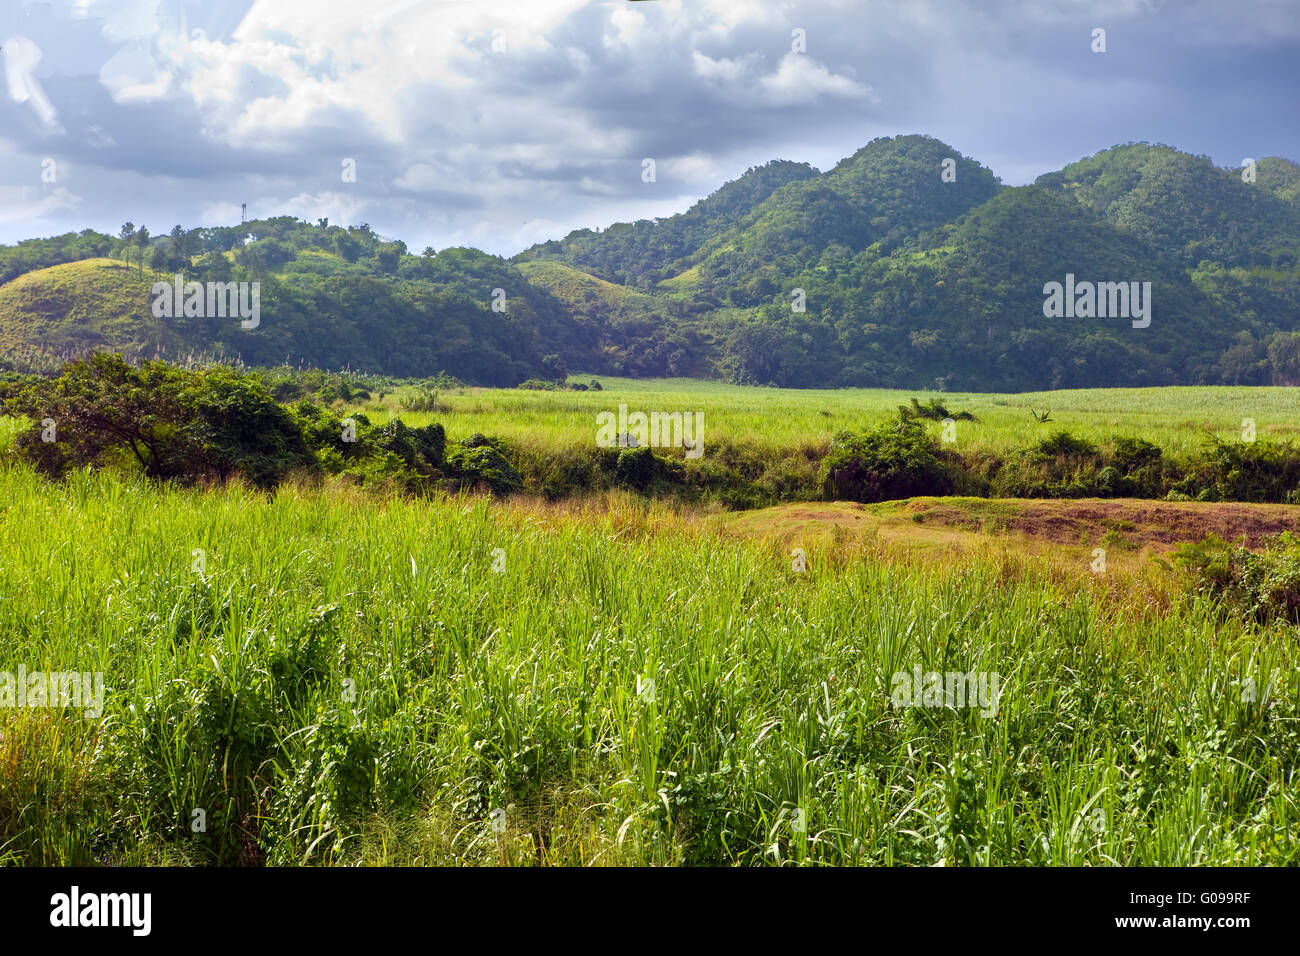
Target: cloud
132,76
800,79
508,122
24,204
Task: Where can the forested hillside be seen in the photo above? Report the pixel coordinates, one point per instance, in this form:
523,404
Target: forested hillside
907,265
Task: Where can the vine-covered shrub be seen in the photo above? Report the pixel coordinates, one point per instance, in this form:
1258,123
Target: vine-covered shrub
1264,586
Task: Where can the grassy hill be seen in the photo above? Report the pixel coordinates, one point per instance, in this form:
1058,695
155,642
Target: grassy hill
584,292
96,303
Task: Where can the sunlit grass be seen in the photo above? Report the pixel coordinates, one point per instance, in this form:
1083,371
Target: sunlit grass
334,678
777,420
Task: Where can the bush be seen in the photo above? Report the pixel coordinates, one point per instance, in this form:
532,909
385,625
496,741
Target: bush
1137,470
569,471
897,460
421,449
478,461
238,428
1063,466
1241,471
174,424
1062,444
1264,586
639,468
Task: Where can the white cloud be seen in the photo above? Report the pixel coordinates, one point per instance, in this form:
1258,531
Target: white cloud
21,58
457,141
627,24
419,177
333,206
220,213
800,79
723,70
27,204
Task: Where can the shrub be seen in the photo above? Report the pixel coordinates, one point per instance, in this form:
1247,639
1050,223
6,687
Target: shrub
1061,444
1137,470
564,472
421,449
478,461
897,460
1241,471
175,424
639,468
932,411
1264,586
237,428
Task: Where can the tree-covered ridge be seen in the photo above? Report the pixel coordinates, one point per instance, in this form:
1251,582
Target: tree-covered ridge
639,253
966,309
332,298
909,280
1187,207
907,265
886,194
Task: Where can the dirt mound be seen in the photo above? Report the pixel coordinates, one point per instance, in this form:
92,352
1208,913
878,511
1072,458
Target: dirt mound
1138,522
1126,522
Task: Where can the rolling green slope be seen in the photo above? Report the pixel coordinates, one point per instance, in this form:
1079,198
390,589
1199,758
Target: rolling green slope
95,303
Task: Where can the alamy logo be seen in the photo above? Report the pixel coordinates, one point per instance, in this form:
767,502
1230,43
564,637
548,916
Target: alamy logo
208,300
57,689
953,689
74,909
657,430
1102,300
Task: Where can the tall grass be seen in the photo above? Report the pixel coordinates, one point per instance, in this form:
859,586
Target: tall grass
335,679
773,420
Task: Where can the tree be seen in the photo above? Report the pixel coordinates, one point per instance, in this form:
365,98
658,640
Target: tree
347,247
175,424
127,235
215,266
142,240
1284,358
389,256
178,247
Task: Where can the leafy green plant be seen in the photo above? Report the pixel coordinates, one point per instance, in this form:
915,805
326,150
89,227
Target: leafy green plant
933,411
1264,586
896,460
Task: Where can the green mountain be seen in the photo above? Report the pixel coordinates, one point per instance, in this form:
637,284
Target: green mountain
886,193
638,253
964,309
907,265
1185,206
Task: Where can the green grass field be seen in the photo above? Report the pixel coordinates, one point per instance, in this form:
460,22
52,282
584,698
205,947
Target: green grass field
776,420
326,677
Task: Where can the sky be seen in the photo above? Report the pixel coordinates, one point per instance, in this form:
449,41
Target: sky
501,123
